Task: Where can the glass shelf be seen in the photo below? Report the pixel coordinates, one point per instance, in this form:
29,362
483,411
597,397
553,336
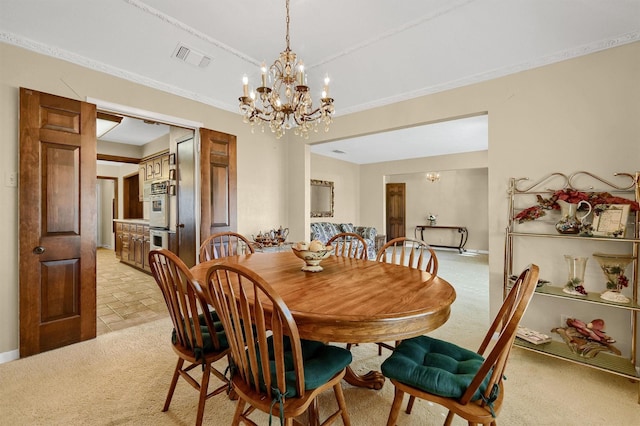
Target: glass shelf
592,297
603,361
575,237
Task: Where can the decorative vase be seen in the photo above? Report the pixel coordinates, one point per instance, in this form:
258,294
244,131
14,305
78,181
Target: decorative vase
613,267
575,280
570,223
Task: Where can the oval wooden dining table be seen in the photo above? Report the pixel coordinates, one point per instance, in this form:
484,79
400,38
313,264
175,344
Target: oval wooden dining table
351,300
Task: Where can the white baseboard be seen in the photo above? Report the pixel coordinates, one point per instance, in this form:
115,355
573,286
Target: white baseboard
9,356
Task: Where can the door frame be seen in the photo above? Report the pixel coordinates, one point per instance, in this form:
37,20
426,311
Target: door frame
106,106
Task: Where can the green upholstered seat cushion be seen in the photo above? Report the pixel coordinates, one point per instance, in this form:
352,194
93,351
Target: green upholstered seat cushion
434,366
321,363
207,341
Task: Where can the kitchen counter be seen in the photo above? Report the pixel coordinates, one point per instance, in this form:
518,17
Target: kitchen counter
136,221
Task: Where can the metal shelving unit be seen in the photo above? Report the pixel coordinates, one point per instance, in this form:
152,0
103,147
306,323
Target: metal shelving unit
518,187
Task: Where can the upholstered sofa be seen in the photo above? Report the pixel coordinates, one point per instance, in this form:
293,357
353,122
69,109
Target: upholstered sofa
323,231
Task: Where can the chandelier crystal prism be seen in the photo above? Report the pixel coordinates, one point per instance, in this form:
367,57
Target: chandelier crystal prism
287,103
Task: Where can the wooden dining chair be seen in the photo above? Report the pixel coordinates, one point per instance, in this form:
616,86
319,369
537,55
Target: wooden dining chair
349,244
467,383
198,336
224,244
273,370
415,254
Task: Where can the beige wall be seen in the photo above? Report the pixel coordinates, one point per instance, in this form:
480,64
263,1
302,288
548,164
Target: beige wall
459,198
580,114
346,180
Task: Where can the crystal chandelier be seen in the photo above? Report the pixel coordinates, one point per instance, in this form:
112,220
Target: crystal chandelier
287,103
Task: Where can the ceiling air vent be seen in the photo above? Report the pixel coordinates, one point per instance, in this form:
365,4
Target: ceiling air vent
190,56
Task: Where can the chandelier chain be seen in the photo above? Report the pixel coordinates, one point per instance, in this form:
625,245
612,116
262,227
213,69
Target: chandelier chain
287,21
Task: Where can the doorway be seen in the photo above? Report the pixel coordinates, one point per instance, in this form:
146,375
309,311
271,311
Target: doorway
107,202
126,296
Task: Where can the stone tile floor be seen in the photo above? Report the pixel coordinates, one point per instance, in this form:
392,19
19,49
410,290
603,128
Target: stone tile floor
125,295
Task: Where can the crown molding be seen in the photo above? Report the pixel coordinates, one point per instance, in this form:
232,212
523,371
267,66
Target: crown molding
500,72
85,62
62,54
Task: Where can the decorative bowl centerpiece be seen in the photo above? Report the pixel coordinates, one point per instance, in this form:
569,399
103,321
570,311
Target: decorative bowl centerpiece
312,253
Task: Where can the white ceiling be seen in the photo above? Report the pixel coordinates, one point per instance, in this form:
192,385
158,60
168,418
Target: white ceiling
375,51
133,131
448,137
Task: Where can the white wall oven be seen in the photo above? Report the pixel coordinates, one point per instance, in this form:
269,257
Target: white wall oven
159,205
158,238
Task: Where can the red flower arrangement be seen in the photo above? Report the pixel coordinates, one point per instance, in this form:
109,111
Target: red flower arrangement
574,197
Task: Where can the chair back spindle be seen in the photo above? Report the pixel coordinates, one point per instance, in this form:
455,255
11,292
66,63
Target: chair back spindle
415,254
224,244
349,244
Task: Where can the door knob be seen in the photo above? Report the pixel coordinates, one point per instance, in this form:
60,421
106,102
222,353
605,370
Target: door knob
38,250
179,225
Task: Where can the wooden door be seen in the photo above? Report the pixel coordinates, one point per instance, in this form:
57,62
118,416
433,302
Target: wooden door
218,183
186,200
57,221
395,210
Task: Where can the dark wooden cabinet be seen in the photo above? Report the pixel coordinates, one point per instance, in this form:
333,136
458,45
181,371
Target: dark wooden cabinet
118,240
133,244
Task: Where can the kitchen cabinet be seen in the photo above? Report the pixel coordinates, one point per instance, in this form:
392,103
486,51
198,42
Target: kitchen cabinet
164,166
527,229
119,240
155,168
132,243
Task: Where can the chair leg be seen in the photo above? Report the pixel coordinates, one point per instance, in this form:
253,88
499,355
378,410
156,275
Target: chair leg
314,414
172,386
449,419
337,389
412,399
204,386
238,413
395,407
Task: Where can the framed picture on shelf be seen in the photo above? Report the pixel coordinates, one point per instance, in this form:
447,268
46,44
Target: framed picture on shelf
172,159
610,220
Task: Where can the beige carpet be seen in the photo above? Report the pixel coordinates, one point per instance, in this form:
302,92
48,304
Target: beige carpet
121,378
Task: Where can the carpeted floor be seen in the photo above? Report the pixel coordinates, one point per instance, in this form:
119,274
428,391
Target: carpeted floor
121,378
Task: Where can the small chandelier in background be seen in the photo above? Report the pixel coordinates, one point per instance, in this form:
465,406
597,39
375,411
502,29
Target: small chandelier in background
433,176
287,104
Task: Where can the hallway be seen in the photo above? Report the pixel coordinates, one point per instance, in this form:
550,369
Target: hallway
125,296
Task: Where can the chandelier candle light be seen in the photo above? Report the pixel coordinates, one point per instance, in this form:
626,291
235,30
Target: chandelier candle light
433,176
287,104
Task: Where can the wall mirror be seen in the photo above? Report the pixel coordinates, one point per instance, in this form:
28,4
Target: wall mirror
321,198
